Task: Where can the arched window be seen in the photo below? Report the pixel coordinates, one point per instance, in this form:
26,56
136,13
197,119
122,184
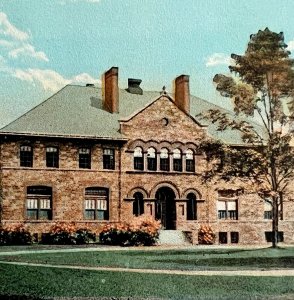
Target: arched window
164,159
52,157
138,204
191,207
138,159
26,156
39,202
151,159
177,160
96,203
190,163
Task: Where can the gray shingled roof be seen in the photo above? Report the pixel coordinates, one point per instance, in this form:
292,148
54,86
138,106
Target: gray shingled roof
77,111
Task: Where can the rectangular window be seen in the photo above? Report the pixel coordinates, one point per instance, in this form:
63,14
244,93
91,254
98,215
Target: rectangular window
177,162
190,166
234,237
138,163
108,159
39,203
269,236
52,157
223,237
84,158
164,164
227,210
96,204
26,156
151,163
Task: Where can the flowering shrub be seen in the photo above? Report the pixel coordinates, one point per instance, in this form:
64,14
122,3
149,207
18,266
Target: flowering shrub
15,235
141,230
206,235
67,233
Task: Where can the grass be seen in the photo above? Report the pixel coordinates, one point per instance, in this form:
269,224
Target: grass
49,282
190,259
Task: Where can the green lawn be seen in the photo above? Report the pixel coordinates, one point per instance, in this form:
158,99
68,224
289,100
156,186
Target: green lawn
49,282
188,259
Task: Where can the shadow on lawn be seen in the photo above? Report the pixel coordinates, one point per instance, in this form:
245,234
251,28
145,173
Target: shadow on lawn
286,262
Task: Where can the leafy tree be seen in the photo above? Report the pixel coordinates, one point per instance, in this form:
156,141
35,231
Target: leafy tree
261,86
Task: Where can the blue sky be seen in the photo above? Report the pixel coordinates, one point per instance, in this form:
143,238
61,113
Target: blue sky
46,44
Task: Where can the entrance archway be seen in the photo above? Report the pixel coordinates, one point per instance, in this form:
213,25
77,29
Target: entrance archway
165,207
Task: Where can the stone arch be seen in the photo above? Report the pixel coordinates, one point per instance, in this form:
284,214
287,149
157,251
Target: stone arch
136,143
137,190
165,184
193,191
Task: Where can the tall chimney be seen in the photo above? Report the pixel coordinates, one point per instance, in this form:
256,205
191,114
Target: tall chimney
110,90
182,93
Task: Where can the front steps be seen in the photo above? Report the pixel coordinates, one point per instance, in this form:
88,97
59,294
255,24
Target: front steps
173,237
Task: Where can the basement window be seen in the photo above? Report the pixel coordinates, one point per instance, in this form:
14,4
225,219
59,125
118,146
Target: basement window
223,237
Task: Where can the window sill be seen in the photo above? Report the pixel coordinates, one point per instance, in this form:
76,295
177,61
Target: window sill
161,172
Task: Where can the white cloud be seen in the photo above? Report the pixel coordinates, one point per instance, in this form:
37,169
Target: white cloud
51,80
7,29
16,42
290,45
217,59
28,50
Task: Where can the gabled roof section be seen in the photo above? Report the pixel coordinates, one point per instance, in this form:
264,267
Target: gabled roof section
76,111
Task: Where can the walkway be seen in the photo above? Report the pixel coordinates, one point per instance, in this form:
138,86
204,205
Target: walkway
275,273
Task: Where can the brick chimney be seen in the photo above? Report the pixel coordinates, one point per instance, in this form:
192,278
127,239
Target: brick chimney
182,93
110,90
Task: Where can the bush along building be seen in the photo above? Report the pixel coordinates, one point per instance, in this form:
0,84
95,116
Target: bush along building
95,156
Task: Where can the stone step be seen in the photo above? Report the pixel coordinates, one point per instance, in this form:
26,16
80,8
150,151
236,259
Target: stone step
172,237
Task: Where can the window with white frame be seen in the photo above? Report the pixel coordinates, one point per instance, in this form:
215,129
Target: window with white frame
39,203
151,159
268,210
138,159
227,209
96,203
164,159
177,160
190,162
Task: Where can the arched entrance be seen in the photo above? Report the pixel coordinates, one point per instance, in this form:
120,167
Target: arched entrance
165,207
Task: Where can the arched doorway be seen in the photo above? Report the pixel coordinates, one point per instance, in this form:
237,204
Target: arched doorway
165,207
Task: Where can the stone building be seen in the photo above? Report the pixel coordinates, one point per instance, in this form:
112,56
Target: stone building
102,155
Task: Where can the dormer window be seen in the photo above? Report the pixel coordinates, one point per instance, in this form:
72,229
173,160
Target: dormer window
190,163
177,160
138,159
164,159
151,159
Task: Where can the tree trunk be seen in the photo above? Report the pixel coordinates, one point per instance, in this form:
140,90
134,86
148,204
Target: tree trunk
275,222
